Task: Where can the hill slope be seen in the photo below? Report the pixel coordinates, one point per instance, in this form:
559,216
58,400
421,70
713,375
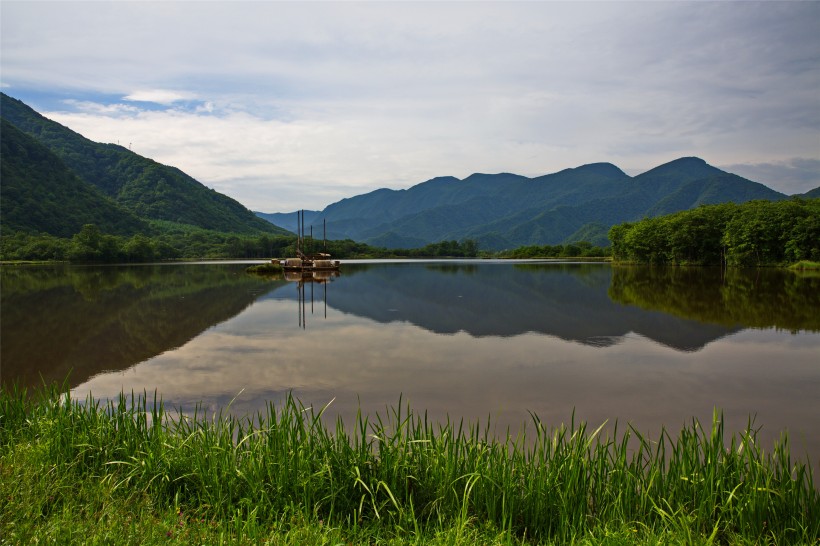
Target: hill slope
148,189
287,220
40,194
507,210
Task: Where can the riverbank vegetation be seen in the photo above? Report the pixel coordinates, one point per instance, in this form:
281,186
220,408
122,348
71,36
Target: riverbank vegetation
581,249
756,233
182,242
130,471
753,234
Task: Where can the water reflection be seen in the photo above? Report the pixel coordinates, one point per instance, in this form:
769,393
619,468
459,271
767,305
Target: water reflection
654,347
57,320
310,278
77,322
569,301
736,297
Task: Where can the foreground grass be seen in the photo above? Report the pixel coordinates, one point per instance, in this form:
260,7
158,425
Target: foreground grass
85,472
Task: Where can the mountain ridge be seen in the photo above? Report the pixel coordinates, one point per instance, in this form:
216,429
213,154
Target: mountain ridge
508,210
497,211
40,193
143,187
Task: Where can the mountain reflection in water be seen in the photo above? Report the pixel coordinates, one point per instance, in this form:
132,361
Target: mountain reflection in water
568,301
75,322
462,339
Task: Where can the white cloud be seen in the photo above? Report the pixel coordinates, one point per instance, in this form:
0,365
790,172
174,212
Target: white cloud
99,109
795,175
261,97
159,96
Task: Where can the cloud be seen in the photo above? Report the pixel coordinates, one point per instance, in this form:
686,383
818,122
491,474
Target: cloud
159,96
99,109
796,175
335,96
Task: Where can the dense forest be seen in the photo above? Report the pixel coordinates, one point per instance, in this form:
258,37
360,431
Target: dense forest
756,233
40,194
55,181
180,242
581,249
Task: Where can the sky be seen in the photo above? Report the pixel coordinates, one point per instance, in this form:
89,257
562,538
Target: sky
288,105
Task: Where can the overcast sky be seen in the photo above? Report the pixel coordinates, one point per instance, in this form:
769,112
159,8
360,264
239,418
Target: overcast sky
286,105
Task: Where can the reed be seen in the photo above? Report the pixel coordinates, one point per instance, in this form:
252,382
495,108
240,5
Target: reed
397,475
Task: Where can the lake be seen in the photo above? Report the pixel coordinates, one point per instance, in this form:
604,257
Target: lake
467,339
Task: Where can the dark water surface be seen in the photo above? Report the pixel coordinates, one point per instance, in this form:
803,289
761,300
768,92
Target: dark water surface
464,339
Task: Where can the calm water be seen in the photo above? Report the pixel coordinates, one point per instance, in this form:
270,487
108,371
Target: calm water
466,339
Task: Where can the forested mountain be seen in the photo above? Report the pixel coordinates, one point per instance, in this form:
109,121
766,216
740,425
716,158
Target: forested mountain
507,210
149,190
812,193
40,194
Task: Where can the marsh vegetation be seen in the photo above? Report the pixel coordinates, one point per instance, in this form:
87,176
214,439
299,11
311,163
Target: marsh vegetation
69,465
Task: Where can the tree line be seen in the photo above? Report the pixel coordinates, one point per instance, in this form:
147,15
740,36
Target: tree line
178,242
755,233
580,249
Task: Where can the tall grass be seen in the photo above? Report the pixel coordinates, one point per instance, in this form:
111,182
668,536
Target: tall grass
407,476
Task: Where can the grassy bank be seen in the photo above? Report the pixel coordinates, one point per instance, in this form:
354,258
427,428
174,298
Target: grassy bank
805,265
83,472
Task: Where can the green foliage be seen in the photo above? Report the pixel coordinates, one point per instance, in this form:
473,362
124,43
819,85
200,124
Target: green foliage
132,183
171,241
398,476
580,249
449,249
40,194
755,233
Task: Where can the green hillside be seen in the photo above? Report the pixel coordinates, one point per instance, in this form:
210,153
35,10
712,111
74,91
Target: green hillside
812,193
40,194
508,211
148,189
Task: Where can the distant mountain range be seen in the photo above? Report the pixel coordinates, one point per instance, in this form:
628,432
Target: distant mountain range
289,220
55,180
507,210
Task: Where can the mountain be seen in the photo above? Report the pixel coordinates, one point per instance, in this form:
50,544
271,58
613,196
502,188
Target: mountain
41,194
288,220
145,188
508,210
811,194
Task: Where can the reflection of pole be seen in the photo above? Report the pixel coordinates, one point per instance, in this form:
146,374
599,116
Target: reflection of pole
301,293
